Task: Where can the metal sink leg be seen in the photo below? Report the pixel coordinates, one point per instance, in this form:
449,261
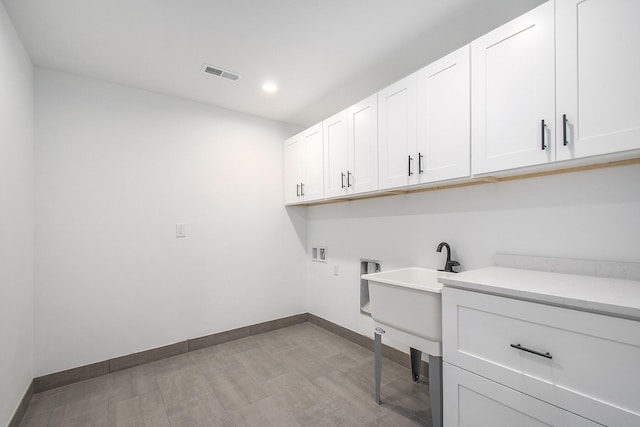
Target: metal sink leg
435,389
377,347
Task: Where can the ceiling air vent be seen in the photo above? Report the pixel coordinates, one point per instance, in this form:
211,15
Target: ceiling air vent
220,72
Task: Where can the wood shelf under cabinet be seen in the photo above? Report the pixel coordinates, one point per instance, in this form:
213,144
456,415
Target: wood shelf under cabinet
477,180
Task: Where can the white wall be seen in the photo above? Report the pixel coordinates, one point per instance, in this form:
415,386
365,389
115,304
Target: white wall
592,215
16,219
116,169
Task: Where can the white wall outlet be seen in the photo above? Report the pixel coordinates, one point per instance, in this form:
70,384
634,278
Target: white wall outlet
181,229
336,270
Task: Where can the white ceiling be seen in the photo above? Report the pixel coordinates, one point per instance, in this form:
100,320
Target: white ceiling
324,54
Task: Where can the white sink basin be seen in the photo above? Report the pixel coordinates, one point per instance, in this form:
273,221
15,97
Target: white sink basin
407,305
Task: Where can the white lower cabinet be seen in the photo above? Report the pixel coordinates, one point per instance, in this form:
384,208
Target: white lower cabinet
474,401
584,363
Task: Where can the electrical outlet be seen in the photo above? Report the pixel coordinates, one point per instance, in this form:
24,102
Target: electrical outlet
318,253
322,254
181,229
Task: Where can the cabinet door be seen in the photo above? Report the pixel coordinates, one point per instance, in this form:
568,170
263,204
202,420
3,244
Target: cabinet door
482,333
444,118
512,93
470,400
598,69
293,169
336,147
397,133
362,125
313,183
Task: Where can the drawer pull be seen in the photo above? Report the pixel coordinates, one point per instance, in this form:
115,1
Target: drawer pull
543,128
519,347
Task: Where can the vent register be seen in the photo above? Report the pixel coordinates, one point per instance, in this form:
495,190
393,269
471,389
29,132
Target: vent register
219,72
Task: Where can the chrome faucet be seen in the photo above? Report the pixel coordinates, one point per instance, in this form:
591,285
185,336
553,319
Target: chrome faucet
449,264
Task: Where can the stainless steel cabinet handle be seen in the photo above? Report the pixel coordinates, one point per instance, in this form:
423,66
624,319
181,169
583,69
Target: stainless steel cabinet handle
565,141
543,130
410,159
537,353
420,170
297,190
349,175
302,188
342,179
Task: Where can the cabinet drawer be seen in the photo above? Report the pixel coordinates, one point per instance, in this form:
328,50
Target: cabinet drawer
474,401
591,368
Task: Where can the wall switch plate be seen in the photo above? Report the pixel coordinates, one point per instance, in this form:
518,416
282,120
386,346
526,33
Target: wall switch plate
181,229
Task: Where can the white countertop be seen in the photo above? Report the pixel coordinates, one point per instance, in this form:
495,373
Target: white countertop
615,297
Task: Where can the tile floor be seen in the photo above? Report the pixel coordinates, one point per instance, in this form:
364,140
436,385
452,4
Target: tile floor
296,376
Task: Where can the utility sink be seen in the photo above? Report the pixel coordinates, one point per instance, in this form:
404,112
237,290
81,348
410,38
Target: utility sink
406,306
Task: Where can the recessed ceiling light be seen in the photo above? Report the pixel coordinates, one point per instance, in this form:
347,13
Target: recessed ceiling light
269,87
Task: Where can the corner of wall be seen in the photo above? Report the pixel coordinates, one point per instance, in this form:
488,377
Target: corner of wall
16,219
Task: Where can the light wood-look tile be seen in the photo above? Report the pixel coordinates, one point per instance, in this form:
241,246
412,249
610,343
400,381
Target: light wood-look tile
300,375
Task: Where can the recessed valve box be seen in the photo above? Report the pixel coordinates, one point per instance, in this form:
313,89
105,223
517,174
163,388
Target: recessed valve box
367,266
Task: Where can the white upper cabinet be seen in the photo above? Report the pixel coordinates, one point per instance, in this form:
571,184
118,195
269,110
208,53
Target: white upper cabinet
397,133
560,82
513,93
362,127
424,124
351,150
444,118
293,169
598,77
313,182
303,166
336,149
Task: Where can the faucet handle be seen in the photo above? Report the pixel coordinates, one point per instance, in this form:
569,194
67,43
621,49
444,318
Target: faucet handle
450,265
